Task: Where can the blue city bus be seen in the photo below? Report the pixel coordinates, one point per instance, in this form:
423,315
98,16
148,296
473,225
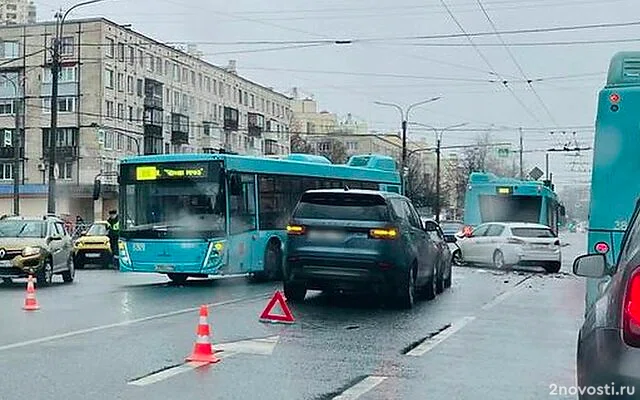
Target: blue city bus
196,215
614,184
490,198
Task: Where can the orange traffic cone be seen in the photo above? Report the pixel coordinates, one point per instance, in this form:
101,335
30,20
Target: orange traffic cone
30,302
202,350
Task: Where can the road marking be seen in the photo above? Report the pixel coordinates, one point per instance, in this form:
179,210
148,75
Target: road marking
124,323
361,388
431,343
505,295
262,346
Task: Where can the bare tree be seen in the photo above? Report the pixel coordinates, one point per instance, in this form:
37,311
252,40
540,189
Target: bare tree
299,145
336,151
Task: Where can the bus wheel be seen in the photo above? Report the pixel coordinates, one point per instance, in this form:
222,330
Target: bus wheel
272,263
178,278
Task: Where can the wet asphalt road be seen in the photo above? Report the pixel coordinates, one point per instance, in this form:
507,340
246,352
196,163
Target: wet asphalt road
502,335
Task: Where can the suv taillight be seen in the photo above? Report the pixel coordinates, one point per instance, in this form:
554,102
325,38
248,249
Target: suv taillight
631,311
295,230
383,233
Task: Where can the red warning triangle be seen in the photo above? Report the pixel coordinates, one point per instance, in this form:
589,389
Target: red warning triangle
268,315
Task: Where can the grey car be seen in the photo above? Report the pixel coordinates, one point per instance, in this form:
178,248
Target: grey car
609,340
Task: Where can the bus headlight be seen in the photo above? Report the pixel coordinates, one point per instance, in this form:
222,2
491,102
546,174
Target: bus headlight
123,252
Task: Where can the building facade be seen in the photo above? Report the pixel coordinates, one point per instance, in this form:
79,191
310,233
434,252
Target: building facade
13,12
120,93
306,120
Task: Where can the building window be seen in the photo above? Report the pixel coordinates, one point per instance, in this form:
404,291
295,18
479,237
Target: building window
130,114
121,51
120,82
109,79
139,115
176,72
6,107
130,84
129,144
151,63
6,171
110,49
66,46
140,58
10,49
167,67
132,55
176,99
65,104
120,141
66,171
140,88
207,82
159,65
253,101
108,140
120,111
200,82
110,110
185,75
67,74
193,78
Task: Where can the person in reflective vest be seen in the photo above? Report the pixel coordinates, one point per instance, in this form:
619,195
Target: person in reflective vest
113,225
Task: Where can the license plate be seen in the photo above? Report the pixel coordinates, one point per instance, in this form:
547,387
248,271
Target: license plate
92,255
5,264
326,236
165,268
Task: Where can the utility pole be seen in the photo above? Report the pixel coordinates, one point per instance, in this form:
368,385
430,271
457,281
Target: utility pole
521,151
438,142
53,131
17,145
55,71
546,163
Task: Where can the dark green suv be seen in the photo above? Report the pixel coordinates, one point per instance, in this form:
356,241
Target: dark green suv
351,240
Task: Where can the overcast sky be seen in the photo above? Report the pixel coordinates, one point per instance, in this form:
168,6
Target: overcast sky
349,78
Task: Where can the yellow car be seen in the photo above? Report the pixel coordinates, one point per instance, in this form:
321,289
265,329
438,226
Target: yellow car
93,247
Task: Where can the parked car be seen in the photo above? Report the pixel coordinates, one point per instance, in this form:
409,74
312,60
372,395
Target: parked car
608,351
38,246
359,239
445,258
93,246
506,244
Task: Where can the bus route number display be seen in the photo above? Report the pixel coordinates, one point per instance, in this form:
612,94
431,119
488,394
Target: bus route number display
166,172
504,190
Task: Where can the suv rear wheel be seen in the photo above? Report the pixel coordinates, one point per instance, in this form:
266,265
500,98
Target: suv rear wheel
295,292
406,299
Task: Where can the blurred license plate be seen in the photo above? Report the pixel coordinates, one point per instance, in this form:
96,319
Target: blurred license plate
326,235
165,268
92,255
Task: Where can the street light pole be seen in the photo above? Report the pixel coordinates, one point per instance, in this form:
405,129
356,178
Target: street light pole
53,132
438,152
404,116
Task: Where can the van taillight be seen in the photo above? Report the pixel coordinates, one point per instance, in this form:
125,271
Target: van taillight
631,311
386,233
295,230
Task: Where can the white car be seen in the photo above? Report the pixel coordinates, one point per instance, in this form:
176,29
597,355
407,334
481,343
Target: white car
505,244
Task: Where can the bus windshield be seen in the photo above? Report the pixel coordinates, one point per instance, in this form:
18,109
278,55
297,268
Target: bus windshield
180,207
510,208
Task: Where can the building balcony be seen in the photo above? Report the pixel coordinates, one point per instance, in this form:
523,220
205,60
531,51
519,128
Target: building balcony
153,102
8,152
62,152
179,138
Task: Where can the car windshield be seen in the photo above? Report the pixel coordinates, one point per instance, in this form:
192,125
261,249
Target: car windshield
356,207
97,230
22,229
533,232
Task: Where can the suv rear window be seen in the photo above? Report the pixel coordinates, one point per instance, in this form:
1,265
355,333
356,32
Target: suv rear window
533,232
354,207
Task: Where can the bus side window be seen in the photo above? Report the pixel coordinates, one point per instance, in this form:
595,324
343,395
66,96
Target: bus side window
243,205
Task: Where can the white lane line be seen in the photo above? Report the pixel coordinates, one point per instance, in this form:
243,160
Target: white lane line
505,295
124,323
361,388
171,372
431,343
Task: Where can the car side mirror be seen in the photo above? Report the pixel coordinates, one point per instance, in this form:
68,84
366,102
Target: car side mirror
430,226
590,266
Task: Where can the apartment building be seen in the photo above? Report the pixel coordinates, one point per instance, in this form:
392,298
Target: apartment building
307,120
120,93
14,12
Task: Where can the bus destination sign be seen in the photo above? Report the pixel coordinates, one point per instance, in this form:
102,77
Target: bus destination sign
168,172
504,190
